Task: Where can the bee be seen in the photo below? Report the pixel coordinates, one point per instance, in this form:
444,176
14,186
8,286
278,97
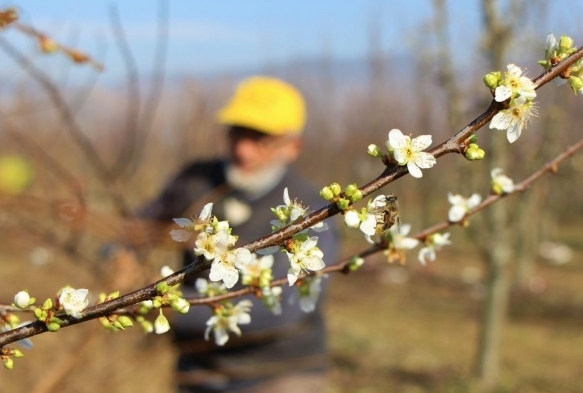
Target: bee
387,215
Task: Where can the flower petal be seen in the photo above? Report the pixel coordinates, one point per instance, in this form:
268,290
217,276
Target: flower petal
424,160
414,170
396,138
421,142
456,213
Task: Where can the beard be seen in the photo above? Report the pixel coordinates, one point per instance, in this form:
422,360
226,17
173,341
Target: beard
257,183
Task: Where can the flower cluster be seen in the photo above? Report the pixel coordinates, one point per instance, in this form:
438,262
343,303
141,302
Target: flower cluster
226,317
301,249
558,50
460,206
519,90
258,272
370,219
215,242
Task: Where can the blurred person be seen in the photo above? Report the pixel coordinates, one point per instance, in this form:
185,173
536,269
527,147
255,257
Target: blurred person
264,121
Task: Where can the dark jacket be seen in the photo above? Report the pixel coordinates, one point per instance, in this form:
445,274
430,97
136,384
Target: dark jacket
293,336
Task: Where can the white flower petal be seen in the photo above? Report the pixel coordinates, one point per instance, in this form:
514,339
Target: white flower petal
183,222
351,219
425,160
421,142
396,138
501,121
180,235
456,213
205,214
286,198
502,93
513,132
414,170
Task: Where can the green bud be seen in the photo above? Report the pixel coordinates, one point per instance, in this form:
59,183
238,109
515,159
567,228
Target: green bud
355,263
336,189
180,305
47,305
162,287
53,327
8,363
247,280
473,154
264,281
326,193
350,189
147,326
113,295
576,84
374,151
492,79
116,324
497,189
157,302
16,353
473,146
39,313
546,64
473,138
356,196
343,204
125,321
565,43
481,154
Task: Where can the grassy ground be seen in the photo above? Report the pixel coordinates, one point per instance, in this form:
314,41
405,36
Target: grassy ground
392,329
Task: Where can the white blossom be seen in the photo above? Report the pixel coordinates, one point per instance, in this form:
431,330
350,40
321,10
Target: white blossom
309,292
22,299
305,257
166,271
226,320
187,226
514,119
74,301
271,297
161,324
501,184
460,206
410,152
225,266
514,84
351,219
434,243
399,238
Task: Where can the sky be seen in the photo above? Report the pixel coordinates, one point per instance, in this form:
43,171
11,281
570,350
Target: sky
213,36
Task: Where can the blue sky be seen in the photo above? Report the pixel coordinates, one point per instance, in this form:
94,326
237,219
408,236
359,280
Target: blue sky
210,36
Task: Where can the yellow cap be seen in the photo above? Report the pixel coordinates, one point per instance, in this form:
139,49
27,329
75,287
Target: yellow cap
265,104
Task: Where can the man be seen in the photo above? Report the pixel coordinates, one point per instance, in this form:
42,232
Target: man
264,120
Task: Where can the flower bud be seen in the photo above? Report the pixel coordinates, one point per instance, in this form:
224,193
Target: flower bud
47,45
336,189
351,219
342,204
492,79
473,138
16,353
53,327
326,193
8,363
357,196
355,263
166,271
162,287
180,305
565,43
350,189
161,324
125,321
22,299
374,151
576,84
47,305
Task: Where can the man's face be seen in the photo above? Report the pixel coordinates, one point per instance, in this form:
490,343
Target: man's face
252,150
